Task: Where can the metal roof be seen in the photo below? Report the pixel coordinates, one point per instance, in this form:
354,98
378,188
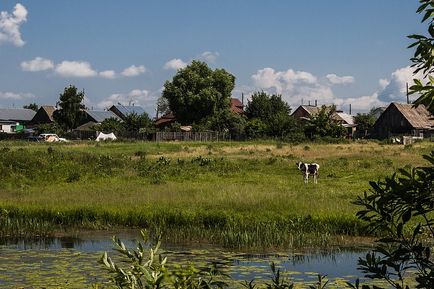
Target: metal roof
346,118
101,115
126,110
419,117
16,114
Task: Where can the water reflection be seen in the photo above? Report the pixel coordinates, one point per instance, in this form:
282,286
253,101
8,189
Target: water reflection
73,259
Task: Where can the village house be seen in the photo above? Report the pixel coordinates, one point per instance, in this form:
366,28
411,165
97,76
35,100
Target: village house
122,111
401,119
44,115
305,112
13,120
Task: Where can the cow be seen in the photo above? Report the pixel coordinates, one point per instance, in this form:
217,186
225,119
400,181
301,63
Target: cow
309,169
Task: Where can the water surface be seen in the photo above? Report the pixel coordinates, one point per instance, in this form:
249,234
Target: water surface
71,262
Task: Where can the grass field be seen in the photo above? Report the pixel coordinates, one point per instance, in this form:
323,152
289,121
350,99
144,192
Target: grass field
231,193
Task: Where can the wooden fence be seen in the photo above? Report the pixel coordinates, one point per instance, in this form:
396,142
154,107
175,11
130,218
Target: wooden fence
191,136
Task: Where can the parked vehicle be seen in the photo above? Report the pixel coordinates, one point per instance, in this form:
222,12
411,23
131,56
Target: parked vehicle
52,137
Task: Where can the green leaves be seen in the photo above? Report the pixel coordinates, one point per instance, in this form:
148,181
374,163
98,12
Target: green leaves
400,209
197,92
423,59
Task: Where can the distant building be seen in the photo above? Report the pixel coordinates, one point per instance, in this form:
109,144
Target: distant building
237,106
44,115
165,120
98,116
123,111
305,112
404,119
13,119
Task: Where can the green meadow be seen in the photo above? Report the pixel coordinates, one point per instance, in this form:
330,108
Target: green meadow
236,194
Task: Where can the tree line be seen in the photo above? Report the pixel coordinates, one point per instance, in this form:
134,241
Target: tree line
200,97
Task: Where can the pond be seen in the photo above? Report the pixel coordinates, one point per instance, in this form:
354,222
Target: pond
71,262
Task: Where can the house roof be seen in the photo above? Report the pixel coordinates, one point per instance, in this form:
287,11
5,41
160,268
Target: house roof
17,114
345,118
87,126
165,119
237,106
49,109
129,109
101,115
419,117
311,109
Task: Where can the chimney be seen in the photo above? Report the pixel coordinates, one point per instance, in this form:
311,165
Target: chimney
242,99
309,102
350,108
408,100
316,102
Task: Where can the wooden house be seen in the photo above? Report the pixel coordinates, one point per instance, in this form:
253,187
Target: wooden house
44,115
401,119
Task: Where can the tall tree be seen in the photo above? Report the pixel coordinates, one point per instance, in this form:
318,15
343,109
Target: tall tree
423,59
33,106
197,92
71,112
269,111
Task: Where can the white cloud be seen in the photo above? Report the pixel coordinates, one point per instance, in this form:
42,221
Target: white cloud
383,83
298,87
133,70
282,80
395,89
175,64
334,79
361,103
10,25
209,56
37,64
15,96
75,69
110,74
141,97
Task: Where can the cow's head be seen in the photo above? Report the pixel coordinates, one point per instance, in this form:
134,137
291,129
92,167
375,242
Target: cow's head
299,165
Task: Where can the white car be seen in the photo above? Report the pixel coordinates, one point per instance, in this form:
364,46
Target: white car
52,137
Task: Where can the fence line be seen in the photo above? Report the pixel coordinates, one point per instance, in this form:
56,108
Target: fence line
191,136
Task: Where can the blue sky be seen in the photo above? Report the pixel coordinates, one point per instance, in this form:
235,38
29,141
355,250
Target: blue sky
335,51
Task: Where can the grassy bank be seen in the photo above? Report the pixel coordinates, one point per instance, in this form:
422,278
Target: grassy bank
236,194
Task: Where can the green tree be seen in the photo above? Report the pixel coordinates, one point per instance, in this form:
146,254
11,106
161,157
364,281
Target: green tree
227,121
197,92
71,109
272,111
423,58
33,106
365,122
110,125
137,122
400,208
323,124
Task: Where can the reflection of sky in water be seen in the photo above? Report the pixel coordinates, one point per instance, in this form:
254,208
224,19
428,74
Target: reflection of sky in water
35,260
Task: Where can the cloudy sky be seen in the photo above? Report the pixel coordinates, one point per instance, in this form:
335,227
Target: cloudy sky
337,51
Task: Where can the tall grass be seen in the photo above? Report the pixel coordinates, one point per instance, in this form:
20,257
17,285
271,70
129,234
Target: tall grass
235,194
